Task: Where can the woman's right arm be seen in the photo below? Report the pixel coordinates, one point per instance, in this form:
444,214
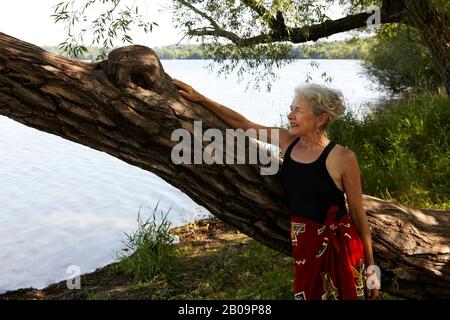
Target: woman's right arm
234,119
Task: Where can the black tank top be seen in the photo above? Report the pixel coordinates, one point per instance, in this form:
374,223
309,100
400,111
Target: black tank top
309,188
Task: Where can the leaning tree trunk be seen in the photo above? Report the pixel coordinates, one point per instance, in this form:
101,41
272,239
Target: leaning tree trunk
127,107
435,29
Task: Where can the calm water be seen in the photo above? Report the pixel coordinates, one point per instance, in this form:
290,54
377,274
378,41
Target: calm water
64,204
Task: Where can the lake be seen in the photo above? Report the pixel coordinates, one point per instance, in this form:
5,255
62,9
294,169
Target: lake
65,204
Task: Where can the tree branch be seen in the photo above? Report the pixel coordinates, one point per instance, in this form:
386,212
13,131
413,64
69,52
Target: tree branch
274,23
214,30
392,11
200,13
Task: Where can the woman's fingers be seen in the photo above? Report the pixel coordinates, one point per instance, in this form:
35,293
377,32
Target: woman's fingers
180,84
183,93
373,294
186,91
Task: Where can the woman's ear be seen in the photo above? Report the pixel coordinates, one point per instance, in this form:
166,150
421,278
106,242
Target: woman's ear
324,118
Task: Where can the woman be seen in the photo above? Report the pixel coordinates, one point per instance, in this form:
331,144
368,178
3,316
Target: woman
330,246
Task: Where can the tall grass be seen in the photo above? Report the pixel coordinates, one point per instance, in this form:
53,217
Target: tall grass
152,249
403,150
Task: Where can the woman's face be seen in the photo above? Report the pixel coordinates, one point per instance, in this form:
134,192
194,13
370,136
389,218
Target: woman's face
302,119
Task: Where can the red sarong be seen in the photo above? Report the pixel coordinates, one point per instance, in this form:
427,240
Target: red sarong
329,259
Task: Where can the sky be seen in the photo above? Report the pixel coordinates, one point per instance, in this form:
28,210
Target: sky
31,21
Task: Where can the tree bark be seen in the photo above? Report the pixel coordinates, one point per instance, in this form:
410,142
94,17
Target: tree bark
127,107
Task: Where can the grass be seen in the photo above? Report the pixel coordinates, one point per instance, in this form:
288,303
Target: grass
403,150
230,266
238,270
215,262
151,247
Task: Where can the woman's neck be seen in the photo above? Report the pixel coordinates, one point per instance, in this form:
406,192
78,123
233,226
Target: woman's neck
314,141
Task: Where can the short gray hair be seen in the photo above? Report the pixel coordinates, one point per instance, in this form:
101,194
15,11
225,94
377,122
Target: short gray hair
324,99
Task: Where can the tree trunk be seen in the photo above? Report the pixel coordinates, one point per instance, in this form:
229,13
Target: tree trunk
127,107
435,29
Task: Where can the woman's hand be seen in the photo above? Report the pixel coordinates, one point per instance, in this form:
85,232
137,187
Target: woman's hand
187,91
373,293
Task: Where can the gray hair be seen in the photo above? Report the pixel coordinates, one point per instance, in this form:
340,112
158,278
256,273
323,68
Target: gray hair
323,99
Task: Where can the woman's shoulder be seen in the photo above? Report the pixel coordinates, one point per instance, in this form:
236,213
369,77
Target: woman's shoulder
341,150
342,155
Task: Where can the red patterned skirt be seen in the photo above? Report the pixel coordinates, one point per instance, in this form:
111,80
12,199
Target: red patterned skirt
329,259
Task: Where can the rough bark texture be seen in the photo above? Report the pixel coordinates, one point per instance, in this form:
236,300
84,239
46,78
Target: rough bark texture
126,106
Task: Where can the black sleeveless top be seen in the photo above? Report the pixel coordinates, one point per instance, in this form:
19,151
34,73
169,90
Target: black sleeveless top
309,188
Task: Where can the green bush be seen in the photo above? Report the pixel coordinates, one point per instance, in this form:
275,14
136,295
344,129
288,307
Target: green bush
403,150
399,60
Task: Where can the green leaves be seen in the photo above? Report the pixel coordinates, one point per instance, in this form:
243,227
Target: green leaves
399,60
72,48
151,247
257,63
248,37
403,150
115,21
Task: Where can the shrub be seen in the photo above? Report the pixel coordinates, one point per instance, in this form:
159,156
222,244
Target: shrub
403,150
399,60
152,249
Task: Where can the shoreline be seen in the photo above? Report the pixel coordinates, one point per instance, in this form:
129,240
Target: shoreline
206,235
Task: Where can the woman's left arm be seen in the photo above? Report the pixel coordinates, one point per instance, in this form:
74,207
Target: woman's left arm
351,180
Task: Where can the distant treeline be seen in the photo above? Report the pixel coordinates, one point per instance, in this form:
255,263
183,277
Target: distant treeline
349,49
92,53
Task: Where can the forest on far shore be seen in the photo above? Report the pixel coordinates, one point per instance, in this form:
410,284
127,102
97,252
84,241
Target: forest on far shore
353,48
